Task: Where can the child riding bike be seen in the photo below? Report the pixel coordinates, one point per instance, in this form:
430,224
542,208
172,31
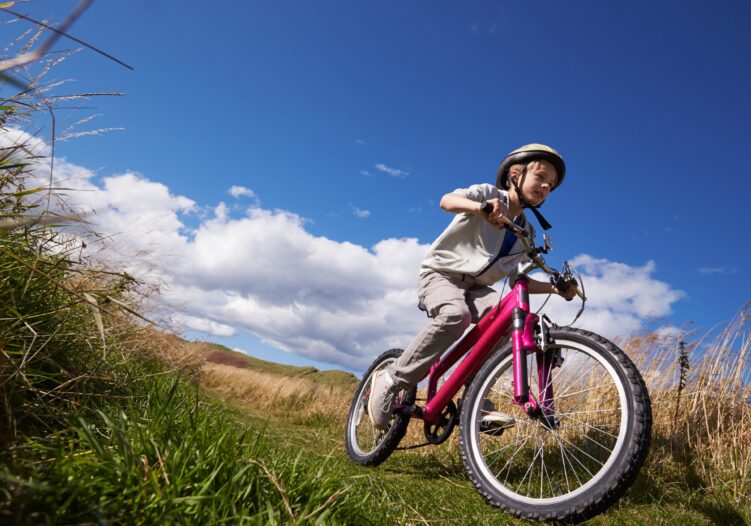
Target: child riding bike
475,251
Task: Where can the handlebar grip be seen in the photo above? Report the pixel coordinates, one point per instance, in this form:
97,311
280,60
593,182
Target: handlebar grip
514,227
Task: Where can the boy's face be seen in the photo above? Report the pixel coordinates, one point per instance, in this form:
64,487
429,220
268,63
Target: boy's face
540,180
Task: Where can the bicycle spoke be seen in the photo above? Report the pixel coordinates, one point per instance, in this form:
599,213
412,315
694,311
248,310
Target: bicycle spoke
597,427
499,451
508,462
561,397
503,393
598,402
544,472
564,391
565,471
565,455
531,465
583,452
570,456
589,426
568,413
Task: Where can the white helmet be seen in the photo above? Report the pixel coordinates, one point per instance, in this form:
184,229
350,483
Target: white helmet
527,154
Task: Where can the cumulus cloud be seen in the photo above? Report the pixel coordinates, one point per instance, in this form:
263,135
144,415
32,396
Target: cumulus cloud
393,172
204,325
621,299
240,191
263,273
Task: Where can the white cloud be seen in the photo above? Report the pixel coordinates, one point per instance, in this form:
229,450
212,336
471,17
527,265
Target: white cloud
265,274
621,299
716,270
239,191
393,172
358,212
203,325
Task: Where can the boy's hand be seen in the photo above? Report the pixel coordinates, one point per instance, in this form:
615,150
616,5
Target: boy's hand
568,290
500,210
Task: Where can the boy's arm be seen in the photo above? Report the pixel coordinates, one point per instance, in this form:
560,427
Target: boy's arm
457,204
543,287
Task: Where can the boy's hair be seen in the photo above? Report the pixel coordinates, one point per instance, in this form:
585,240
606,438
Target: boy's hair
514,167
520,167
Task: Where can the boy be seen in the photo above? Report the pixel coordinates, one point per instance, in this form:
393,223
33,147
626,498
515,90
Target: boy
474,252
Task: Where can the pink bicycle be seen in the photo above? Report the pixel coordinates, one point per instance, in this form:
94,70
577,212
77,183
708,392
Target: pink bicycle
562,444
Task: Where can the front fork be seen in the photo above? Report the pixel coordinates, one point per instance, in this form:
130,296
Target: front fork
523,342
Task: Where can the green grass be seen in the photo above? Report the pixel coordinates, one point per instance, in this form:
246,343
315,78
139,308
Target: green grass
169,456
429,486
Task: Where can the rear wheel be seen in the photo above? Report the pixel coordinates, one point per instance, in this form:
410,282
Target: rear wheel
577,467
366,444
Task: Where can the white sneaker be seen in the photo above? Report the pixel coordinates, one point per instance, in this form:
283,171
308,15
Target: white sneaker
381,400
493,421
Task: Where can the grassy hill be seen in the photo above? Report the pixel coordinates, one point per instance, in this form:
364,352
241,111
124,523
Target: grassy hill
694,475
219,354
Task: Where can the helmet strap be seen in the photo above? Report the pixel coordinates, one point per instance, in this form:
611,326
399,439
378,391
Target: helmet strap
543,222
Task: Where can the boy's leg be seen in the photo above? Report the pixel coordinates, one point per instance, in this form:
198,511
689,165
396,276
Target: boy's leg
444,300
480,300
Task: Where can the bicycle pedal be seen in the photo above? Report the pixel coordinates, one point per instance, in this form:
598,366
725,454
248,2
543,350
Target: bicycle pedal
496,421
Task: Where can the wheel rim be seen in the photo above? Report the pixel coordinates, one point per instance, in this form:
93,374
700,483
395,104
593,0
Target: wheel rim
364,436
530,463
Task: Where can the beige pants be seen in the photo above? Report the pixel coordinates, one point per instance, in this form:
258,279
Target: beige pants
452,304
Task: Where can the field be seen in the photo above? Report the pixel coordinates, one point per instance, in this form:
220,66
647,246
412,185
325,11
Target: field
697,472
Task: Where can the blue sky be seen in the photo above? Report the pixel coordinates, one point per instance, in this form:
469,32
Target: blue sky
346,122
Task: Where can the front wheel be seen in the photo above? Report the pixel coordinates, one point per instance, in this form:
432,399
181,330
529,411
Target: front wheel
367,444
576,467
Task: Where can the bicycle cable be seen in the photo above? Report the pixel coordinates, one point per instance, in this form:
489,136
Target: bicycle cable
571,270
550,294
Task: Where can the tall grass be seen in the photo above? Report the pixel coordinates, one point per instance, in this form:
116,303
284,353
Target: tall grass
701,394
101,419
166,456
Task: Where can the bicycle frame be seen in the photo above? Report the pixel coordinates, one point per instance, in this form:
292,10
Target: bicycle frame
512,312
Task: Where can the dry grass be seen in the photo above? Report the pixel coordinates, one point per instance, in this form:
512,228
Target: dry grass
702,405
269,394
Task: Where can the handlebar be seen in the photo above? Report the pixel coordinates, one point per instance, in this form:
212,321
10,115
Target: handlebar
534,254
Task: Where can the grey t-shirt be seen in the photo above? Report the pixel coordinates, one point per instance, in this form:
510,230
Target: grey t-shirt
470,245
